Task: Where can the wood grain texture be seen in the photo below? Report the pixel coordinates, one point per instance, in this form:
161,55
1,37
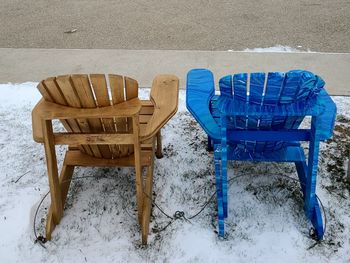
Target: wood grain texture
102,131
164,96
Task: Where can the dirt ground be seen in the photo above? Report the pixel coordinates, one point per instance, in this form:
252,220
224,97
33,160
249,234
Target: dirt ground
318,25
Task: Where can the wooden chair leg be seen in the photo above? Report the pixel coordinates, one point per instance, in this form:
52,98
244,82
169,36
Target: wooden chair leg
51,161
65,179
138,168
147,203
159,153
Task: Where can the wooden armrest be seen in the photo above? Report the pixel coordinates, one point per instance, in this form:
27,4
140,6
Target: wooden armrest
45,110
164,96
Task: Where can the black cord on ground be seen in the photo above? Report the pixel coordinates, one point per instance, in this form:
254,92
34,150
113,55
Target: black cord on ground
39,239
177,215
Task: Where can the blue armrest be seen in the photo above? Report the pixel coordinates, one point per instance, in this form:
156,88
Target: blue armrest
200,89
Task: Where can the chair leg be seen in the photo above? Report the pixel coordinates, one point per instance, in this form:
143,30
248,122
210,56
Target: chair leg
307,177
51,162
224,178
139,191
210,144
217,161
138,168
147,203
224,163
159,153
65,179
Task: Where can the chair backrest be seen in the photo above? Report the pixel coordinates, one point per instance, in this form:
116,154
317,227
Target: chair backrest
274,88
93,91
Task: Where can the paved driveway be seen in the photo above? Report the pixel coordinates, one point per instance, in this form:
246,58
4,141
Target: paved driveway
318,25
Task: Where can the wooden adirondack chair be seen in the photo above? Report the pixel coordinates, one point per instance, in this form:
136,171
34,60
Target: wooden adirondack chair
102,130
257,118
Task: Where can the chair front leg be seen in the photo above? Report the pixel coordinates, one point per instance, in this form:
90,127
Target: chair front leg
159,153
138,168
311,205
51,162
147,199
224,163
219,197
65,179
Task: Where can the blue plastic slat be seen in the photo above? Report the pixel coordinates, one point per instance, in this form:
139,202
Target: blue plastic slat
240,94
273,89
288,154
240,86
225,86
257,82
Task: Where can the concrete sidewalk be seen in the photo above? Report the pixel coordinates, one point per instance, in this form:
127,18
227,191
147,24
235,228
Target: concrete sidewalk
20,65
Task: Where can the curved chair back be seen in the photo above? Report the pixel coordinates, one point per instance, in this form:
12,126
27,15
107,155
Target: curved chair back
93,91
271,89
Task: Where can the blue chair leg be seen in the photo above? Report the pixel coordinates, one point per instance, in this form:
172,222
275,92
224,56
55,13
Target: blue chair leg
210,144
224,178
307,176
217,161
316,219
224,163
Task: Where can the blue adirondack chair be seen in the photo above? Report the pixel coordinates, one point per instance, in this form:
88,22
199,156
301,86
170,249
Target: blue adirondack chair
256,117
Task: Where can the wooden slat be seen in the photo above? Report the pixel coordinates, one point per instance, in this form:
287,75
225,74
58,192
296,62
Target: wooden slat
97,138
147,110
57,97
37,129
87,100
131,92
145,118
99,85
50,111
131,88
54,91
117,89
69,93
80,159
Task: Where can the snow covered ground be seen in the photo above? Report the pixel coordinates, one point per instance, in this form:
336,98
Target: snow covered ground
265,224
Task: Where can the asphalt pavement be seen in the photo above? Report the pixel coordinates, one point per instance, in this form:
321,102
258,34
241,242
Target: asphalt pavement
317,25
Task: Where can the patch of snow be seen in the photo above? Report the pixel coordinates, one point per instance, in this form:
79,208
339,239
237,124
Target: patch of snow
265,223
277,48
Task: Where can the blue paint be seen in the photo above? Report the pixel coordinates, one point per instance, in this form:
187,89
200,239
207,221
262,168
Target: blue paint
257,118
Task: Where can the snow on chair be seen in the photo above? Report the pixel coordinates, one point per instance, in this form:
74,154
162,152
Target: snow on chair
256,117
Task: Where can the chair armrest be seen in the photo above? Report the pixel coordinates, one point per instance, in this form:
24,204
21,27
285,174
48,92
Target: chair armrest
164,96
45,110
200,89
